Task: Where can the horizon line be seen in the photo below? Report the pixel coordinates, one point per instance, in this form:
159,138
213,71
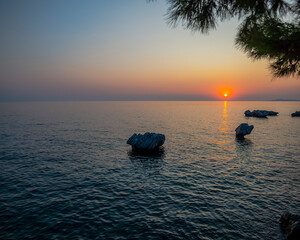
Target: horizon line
154,100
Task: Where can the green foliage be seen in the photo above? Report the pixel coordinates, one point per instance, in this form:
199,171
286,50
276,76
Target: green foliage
269,29
274,40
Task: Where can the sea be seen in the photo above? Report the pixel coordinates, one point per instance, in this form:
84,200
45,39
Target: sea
67,173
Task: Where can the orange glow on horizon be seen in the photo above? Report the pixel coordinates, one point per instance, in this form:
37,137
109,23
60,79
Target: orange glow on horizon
225,92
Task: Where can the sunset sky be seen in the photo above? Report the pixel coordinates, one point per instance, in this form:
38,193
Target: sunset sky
123,50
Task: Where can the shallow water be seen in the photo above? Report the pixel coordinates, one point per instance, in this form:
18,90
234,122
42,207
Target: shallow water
66,171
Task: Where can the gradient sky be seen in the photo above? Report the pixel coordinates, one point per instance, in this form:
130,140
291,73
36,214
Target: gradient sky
122,50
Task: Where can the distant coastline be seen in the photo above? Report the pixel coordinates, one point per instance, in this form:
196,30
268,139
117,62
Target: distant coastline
148,100
285,100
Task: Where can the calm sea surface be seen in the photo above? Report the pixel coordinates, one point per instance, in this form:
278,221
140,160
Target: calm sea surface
67,172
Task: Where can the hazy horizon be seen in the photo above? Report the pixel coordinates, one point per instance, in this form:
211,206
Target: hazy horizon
108,50
152,100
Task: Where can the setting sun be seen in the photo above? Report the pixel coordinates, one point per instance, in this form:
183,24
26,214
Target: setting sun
225,92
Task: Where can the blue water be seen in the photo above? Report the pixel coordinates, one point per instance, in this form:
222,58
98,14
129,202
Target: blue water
67,173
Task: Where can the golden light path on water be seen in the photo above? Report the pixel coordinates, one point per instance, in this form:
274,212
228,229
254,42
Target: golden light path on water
225,130
224,125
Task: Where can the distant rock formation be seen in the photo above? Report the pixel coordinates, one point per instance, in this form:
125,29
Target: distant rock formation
296,114
270,113
256,113
243,130
290,226
260,113
147,141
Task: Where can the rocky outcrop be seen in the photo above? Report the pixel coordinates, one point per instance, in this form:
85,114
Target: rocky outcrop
290,226
242,130
260,113
147,141
296,114
256,113
271,113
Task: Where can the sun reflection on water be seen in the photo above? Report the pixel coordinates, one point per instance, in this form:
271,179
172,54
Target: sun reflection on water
225,109
224,128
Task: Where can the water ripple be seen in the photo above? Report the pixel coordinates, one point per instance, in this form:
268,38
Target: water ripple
70,175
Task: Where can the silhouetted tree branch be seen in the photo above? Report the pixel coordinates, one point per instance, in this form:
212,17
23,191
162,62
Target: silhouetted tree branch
269,29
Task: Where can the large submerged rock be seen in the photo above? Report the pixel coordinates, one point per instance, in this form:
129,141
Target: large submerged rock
147,141
290,226
243,129
296,114
260,113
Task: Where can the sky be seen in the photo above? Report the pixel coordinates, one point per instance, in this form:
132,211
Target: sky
77,50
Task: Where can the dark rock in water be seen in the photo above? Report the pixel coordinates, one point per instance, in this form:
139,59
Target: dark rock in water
147,141
256,113
272,113
290,226
248,113
243,130
296,114
260,113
